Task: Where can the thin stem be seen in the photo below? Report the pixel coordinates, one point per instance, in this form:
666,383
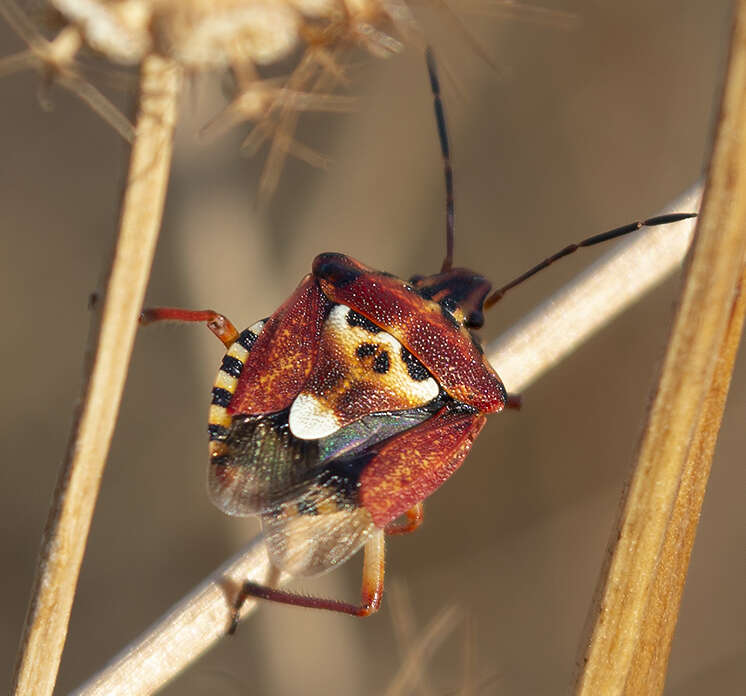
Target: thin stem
194,625
69,519
203,617
641,585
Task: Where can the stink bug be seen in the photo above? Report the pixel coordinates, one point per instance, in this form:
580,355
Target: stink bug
352,403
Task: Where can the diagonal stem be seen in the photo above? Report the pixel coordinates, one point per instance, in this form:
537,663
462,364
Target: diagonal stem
67,527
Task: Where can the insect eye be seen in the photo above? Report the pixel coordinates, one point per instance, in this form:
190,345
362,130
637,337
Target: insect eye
335,268
475,320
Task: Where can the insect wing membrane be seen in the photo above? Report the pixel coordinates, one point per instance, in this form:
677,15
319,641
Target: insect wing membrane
259,464
316,535
366,487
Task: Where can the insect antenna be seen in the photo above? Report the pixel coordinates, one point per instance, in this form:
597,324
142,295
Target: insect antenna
445,152
590,241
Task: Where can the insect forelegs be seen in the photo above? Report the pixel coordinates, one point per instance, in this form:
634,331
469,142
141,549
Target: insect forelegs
371,591
217,323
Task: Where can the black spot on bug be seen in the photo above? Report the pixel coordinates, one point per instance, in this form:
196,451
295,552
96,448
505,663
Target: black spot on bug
417,371
231,366
221,397
217,432
365,350
355,319
382,363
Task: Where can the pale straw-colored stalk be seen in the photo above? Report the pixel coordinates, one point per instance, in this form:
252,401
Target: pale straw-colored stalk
74,499
637,603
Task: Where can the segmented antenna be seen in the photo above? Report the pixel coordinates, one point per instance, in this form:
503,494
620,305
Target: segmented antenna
590,241
445,151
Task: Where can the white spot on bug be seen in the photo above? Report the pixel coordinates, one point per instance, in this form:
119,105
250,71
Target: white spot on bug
310,419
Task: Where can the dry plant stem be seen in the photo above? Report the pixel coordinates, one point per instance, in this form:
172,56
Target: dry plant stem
648,669
424,645
644,577
69,520
181,636
203,617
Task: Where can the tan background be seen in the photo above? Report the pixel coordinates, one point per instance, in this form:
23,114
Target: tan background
579,130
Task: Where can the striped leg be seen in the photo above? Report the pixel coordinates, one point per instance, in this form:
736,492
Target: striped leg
371,591
217,323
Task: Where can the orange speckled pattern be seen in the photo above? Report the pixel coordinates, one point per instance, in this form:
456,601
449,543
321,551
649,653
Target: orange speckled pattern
408,468
284,353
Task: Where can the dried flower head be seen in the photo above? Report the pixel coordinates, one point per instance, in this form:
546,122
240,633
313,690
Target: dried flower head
242,36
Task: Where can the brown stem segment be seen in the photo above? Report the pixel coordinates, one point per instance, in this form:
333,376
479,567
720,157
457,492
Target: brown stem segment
70,516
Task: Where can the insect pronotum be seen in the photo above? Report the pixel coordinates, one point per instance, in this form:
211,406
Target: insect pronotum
336,417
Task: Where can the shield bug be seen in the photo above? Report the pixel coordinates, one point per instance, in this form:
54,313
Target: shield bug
337,416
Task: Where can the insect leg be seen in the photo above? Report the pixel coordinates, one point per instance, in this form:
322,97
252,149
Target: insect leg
415,515
371,591
217,323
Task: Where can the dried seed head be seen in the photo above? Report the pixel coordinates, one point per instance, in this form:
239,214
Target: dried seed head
240,35
208,34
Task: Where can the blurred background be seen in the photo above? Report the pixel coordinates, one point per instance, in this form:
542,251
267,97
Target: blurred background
578,128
